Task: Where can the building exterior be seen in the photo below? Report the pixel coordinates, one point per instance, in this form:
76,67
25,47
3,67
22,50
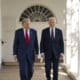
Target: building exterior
11,10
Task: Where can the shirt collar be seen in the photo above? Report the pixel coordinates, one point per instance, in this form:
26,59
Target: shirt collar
53,29
25,30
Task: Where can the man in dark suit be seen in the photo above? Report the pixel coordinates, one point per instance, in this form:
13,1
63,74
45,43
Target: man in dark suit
25,48
52,48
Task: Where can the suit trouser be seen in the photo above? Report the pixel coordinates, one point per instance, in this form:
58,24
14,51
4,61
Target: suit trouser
26,69
48,62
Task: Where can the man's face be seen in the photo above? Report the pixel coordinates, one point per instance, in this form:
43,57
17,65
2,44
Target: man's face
52,21
26,23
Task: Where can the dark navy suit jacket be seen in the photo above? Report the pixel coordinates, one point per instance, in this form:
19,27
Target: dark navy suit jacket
57,45
21,49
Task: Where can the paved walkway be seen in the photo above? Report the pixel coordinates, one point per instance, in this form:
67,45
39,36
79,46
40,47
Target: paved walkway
12,73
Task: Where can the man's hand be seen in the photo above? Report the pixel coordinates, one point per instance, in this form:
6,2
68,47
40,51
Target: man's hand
15,57
61,58
42,57
36,55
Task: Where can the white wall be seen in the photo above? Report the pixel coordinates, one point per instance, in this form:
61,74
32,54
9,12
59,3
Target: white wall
11,10
0,34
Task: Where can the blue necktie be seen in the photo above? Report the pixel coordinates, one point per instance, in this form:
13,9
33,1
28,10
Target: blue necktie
52,34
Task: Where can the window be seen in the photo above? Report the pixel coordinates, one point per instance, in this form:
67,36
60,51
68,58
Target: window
37,13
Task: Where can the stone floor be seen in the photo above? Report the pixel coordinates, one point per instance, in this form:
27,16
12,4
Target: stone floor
12,73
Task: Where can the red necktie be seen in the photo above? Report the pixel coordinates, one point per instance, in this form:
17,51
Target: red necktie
27,37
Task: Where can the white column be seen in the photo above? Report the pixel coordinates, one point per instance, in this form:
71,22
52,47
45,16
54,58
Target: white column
79,46
72,50
0,34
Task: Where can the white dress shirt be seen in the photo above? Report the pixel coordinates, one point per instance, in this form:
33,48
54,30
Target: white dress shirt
53,31
27,31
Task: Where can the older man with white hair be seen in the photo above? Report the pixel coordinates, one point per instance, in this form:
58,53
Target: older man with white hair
52,48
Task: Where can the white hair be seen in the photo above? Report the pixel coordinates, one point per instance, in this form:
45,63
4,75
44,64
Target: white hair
52,18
